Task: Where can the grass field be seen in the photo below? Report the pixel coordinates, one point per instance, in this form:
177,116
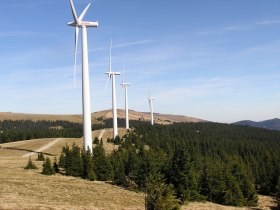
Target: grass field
29,189
106,114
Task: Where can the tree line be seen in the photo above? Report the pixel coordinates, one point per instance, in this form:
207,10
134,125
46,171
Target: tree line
17,130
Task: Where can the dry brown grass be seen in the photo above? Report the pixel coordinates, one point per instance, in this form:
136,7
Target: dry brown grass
106,114
108,133
265,203
29,189
159,118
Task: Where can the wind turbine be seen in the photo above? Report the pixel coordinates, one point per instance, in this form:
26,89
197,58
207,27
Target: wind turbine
150,99
111,75
125,85
79,23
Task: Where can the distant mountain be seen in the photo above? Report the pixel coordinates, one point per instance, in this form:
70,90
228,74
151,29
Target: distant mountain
273,124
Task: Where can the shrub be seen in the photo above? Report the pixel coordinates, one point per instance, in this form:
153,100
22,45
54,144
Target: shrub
159,195
47,167
96,141
41,157
30,164
91,176
117,140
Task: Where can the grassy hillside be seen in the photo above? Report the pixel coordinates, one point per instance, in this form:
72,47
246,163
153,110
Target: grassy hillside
23,189
97,117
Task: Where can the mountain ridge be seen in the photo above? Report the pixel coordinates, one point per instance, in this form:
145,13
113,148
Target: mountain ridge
272,124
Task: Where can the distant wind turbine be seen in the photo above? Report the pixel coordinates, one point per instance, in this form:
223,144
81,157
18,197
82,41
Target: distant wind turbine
125,86
150,99
111,75
79,23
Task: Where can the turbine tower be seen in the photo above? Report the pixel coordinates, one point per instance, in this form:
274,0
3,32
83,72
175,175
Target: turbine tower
111,75
79,23
150,99
125,86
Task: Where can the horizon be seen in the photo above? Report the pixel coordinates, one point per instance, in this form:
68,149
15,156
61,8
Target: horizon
146,112
216,61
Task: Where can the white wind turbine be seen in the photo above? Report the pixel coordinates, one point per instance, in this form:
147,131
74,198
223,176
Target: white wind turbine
150,99
79,23
111,75
125,85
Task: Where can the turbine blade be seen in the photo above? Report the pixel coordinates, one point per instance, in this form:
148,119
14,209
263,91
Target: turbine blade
107,83
73,11
84,12
75,56
150,106
110,59
123,73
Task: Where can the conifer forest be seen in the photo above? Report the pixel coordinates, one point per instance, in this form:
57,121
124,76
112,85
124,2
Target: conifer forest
222,163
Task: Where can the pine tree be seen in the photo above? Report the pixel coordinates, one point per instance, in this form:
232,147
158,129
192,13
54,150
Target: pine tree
246,183
117,160
141,171
48,167
55,165
101,164
40,156
215,185
96,141
30,164
119,174
73,162
159,195
233,195
183,176
88,171
64,157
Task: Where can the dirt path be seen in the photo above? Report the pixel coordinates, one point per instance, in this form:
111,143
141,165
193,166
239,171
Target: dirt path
42,148
101,134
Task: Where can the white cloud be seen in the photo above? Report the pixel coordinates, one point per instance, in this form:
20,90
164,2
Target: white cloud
268,22
122,45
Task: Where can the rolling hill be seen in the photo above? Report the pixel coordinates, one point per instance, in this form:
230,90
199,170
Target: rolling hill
273,124
98,117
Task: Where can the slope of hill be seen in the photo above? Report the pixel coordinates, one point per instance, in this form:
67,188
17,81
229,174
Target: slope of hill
25,189
98,117
273,124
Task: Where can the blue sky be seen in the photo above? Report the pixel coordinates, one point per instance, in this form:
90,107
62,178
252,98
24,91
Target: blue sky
217,60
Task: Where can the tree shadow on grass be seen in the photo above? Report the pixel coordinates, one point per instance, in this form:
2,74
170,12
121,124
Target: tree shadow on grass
27,150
